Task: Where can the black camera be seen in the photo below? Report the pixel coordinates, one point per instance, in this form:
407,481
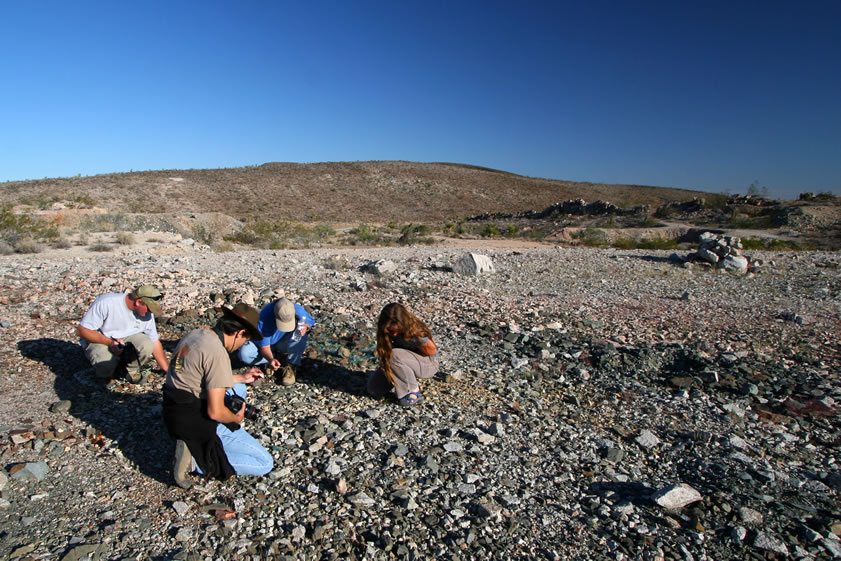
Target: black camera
234,403
128,355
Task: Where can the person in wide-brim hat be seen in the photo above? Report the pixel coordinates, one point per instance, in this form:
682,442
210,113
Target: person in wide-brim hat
247,316
198,402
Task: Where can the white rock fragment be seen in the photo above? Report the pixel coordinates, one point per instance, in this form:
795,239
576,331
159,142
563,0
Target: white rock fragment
473,264
676,496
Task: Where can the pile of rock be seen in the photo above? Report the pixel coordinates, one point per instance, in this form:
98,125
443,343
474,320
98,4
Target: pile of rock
723,252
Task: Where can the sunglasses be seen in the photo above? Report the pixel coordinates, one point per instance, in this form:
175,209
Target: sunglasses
155,298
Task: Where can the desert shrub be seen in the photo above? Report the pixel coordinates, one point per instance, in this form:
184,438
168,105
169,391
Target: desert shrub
411,234
489,231
775,245
82,239
510,231
590,236
324,231
100,247
125,238
716,201
751,222
665,211
364,234
82,201
202,234
28,245
62,243
6,249
23,225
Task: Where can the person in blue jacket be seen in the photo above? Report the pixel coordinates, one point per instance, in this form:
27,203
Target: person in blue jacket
285,327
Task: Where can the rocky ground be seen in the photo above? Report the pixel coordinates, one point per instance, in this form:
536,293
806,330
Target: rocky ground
593,404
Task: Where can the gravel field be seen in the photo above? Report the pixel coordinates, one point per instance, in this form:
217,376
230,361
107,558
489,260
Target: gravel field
593,404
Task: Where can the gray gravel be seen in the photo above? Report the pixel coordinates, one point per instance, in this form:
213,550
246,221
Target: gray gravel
593,404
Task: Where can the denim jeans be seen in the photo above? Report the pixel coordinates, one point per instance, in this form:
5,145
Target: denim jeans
245,454
249,355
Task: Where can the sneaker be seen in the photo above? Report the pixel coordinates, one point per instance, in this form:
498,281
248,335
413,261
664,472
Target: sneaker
287,375
183,464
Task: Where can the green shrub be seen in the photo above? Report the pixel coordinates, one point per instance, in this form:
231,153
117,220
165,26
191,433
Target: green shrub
716,201
410,234
23,225
324,231
489,231
364,234
775,245
751,222
590,236
510,231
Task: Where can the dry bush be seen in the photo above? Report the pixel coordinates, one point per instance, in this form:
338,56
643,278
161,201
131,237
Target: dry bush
28,245
5,249
125,238
100,247
62,243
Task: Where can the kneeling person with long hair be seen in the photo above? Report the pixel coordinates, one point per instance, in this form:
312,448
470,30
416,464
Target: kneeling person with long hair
406,353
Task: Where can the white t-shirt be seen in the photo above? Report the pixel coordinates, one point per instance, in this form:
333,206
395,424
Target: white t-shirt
110,316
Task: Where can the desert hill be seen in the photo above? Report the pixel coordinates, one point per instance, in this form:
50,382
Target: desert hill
373,191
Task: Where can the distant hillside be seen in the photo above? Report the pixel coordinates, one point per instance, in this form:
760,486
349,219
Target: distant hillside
376,191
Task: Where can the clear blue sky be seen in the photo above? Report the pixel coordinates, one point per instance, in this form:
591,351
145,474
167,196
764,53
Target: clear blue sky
707,95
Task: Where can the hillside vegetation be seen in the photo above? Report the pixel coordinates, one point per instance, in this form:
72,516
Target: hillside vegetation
328,192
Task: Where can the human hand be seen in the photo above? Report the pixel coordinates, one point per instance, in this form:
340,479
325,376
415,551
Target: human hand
252,375
304,329
240,415
116,346
274,364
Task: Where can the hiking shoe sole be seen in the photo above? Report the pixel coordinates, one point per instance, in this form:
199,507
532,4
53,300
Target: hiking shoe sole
183,465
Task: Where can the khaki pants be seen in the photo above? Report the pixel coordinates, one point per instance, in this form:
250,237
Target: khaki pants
407,367
105,362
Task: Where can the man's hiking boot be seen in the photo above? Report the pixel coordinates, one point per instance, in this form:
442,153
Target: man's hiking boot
183,465
287,375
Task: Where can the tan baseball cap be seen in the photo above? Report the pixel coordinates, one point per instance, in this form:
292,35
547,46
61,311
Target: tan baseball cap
149,295
284,314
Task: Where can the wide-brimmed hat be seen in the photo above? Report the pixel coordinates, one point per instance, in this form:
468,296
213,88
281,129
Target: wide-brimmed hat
284,315
149,295
246,316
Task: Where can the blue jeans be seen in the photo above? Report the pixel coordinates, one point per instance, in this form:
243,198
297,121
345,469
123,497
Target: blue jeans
245,454
294,351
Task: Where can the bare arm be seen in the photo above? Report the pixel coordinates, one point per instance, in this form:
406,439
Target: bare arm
160,355
266,352
92,336
218,411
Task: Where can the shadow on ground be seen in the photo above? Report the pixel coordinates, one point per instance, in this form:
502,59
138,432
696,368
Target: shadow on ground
131,420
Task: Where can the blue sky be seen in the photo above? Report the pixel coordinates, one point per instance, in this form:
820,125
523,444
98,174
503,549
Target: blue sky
709,95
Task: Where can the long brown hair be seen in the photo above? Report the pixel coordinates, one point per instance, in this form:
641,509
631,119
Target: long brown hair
395,318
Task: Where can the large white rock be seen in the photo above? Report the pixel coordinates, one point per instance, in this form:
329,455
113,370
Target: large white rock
735,263
473,264
676,496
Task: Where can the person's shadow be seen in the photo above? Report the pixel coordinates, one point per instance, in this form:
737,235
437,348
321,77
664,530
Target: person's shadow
132,421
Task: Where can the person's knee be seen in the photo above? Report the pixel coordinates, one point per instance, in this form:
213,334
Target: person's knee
144,346
247,353
266,463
